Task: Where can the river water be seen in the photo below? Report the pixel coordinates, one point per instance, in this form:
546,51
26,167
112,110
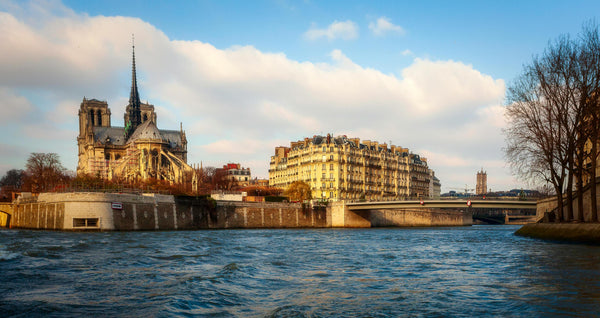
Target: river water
388,272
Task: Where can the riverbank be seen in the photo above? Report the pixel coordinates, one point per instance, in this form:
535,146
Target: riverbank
79,211
568,232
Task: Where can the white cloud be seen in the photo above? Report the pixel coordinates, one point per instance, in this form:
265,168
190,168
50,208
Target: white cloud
383,26
407,52
346,30
238,103
13,106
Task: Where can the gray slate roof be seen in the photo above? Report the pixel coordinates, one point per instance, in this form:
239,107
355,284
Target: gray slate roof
147,130
115,135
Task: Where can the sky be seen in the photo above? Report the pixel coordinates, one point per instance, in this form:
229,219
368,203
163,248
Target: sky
243,77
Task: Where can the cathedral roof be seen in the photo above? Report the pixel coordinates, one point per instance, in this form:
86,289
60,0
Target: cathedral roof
116,135
112,135
173,137
147,130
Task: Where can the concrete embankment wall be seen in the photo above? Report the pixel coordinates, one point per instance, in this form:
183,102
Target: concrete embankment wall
569,232
420,217
549,204
128,212
99,211
343,217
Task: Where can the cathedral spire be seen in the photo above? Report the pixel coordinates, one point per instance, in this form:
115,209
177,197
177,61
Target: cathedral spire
135,116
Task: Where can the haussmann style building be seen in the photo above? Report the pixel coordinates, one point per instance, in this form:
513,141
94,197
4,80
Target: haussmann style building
341,168
138,151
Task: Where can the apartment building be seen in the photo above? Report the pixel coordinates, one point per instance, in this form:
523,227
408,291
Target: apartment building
341,168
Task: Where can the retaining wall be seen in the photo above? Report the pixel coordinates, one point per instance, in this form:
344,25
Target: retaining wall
343,217
420,217
128,212
570,232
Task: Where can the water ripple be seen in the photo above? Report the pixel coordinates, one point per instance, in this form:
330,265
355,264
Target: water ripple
449,272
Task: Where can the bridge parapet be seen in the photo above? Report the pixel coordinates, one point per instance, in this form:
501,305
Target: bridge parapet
449,204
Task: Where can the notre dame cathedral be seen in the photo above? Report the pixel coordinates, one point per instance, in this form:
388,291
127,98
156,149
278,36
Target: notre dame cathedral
138,151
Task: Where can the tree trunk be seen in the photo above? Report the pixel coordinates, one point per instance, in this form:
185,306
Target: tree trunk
593,201
569,215
579,187
559,204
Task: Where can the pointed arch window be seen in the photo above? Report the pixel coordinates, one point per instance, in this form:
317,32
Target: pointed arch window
92,117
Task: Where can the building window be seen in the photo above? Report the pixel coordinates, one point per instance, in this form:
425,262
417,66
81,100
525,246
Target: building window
331,149
331,166
331,194
324,167
324,149
331,175
89,222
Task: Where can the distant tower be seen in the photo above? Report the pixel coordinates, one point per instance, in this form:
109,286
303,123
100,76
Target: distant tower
481,187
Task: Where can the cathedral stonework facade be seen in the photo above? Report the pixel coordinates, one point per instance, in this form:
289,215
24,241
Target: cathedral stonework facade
138,151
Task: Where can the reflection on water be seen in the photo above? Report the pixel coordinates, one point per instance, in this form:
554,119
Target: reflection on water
461,272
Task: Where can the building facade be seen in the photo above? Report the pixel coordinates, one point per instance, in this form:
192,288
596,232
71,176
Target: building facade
481,187
435,186
137,151
341,168
236,175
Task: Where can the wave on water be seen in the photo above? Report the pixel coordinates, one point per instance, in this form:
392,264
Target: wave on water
7,256
268,273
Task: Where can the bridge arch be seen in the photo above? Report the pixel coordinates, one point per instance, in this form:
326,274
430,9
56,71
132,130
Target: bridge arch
8,216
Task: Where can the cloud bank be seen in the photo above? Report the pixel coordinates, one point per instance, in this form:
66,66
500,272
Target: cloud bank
238,103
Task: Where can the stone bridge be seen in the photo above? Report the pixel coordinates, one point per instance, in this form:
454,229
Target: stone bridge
6,211
420,212
442,204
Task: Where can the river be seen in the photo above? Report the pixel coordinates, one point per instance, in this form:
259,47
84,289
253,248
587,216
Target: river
386,272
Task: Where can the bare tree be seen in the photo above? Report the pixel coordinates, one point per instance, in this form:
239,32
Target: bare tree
10,183
13,178
590,83
550,118
44,171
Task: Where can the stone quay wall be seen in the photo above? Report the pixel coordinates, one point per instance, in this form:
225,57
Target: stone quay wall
569,232
343,217
420,217
129,212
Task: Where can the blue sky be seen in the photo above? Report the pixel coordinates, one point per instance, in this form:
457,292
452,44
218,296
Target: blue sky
496,37
246,76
